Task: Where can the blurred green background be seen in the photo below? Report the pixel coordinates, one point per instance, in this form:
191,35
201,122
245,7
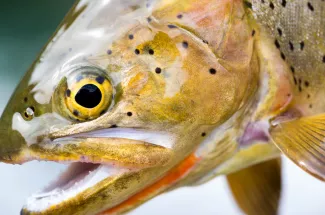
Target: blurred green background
25,26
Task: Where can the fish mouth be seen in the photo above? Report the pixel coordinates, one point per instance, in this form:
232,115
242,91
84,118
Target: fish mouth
79,179
98,183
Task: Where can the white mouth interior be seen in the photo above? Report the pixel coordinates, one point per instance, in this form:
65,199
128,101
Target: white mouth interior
76,179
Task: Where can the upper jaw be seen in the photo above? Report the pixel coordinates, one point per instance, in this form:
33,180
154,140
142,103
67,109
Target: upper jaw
126,147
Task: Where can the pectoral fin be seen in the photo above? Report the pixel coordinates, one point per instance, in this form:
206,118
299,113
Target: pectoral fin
257,189
303,141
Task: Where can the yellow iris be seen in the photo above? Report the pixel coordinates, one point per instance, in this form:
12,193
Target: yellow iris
89,97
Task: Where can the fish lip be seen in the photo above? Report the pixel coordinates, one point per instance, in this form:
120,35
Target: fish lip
163,139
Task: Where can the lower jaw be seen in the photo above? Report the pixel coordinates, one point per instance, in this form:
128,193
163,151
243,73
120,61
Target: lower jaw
121,189
79,181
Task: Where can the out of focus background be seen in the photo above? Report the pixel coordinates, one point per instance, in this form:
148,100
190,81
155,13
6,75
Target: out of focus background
25,26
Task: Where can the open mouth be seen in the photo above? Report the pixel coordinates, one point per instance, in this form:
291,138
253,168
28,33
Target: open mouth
84,177
78,178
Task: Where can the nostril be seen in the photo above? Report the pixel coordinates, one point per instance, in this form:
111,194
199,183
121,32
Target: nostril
29,113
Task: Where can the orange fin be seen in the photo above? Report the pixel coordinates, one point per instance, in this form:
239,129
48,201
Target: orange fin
257,189
303,141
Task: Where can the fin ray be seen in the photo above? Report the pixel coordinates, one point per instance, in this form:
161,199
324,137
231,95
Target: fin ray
303,141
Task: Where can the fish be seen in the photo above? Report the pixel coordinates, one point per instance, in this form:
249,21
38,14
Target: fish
143,97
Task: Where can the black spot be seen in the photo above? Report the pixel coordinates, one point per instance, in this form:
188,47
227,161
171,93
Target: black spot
109,52
288,95
300,89
283,3
310,6
129,113
324,59
203,134
308,96
185,44
158,70
172,26
283,56
310,106
272,5
292,69
149,19
114,126
279,31
131,36
291,46
89,96
26,115
179,16
306,83
212,71
253,33
137,51
151,51
248,4
206,42
277,44
75,112
68,93
302,45
100,79
32,107
295,80
25,99
263,1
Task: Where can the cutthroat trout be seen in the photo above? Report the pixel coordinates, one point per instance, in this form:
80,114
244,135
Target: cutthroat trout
142,97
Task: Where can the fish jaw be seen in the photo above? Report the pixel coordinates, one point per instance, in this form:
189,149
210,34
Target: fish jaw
131,148
89,185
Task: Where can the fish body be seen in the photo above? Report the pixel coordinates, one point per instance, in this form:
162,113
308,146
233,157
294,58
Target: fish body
143,97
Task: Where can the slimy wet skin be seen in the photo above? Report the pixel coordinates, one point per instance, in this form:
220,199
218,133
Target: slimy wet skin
142,97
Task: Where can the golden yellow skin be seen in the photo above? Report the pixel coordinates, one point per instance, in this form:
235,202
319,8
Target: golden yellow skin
195,77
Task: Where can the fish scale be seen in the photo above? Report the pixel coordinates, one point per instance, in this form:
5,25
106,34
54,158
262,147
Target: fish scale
298,26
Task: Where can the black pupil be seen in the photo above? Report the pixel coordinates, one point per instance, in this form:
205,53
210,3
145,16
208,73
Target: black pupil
89,96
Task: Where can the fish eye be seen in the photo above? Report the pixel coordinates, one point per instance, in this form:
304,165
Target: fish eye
89,97
85,94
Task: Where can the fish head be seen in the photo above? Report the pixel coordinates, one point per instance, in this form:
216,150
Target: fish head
124,105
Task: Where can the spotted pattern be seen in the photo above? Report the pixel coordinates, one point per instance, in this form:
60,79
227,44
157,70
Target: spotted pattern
298,28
